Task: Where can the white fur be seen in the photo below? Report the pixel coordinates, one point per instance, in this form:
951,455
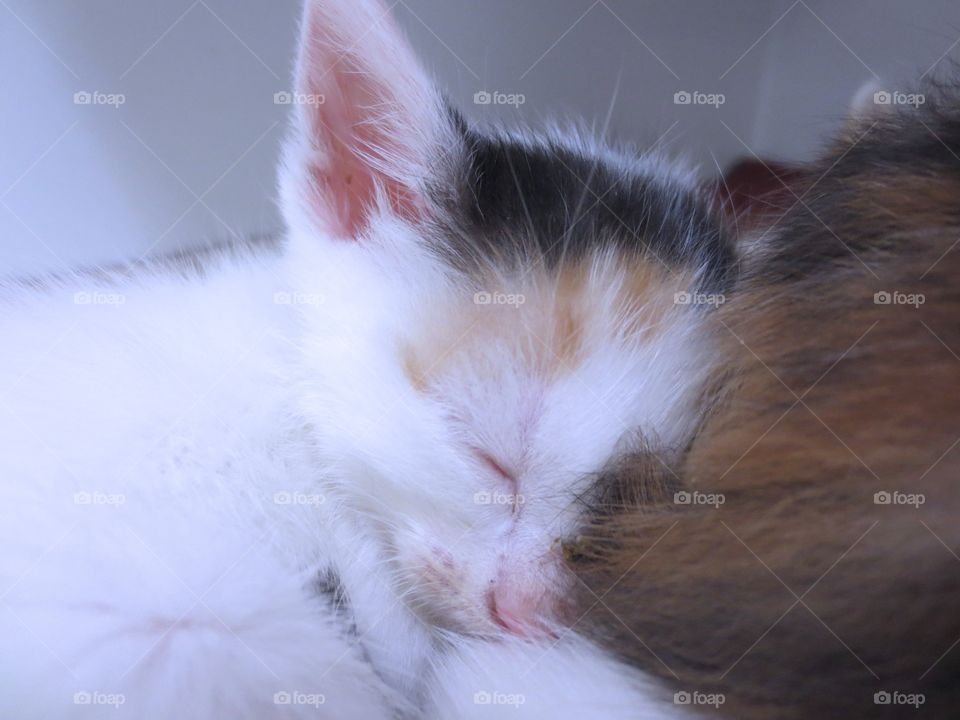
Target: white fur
182,585
566,680
184,455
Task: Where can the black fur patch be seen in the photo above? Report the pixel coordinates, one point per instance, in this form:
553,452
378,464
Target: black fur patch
514,201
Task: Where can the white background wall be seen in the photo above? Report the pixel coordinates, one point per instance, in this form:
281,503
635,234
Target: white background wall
189,157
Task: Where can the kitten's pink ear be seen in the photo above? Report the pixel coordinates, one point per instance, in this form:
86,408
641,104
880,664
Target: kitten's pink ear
369,121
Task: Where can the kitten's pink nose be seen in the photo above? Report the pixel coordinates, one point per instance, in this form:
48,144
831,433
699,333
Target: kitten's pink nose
508,613
521,608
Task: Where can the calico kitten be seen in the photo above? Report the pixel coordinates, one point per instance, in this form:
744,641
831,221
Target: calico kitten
462,329
826,583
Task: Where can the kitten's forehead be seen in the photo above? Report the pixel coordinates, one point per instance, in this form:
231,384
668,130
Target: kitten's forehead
557,198
544,323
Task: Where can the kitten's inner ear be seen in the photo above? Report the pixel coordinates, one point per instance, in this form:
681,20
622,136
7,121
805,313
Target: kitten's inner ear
370,124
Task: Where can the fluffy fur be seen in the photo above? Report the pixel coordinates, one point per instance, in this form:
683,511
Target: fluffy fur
803,595
566,679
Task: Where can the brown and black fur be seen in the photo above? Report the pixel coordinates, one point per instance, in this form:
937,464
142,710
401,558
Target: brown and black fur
800,597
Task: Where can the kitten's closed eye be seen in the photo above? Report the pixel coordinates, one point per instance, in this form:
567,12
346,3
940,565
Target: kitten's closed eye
493,464
508,477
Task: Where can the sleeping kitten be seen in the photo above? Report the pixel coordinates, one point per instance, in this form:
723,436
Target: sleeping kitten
822,581
334,480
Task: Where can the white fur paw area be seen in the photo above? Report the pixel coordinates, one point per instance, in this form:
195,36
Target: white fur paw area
280,660
118,625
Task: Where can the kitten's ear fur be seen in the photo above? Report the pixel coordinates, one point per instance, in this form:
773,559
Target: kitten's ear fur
369,123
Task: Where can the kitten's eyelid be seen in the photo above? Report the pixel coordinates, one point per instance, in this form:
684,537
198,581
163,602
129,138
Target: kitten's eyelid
493,464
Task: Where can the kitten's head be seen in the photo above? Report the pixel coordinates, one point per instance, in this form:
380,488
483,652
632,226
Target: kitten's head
494,319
